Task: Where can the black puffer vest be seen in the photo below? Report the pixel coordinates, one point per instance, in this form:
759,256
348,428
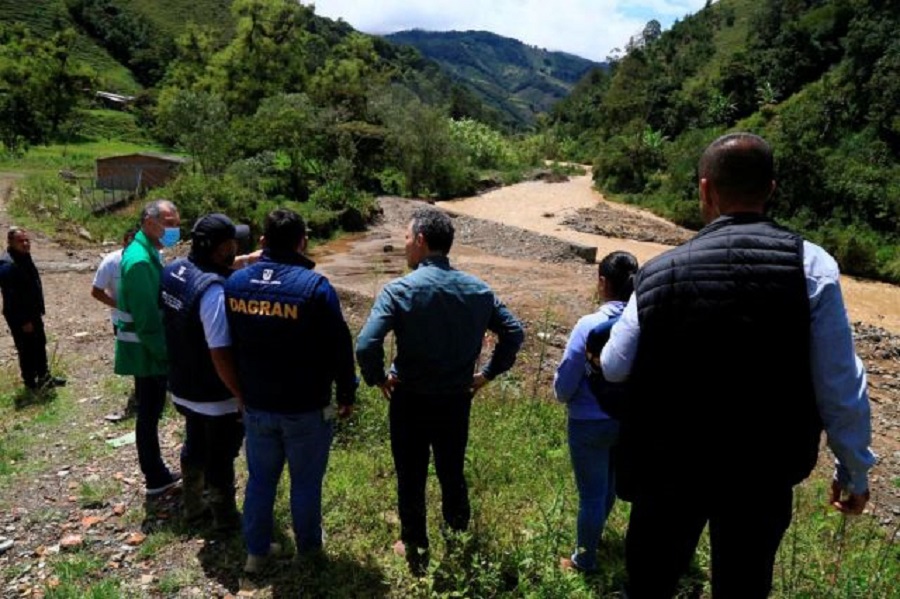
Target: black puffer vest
722,383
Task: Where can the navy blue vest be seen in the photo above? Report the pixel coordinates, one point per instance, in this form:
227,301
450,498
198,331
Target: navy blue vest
192,375
282,335
722,382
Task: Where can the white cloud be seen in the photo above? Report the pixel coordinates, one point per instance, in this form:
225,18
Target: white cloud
589,28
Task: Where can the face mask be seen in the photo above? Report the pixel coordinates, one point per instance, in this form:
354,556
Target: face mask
170,237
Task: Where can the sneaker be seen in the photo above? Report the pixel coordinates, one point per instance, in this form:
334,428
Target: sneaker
255,563
568,564
173,482
48,382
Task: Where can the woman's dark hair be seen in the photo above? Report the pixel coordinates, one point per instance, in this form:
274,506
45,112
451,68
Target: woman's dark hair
619,268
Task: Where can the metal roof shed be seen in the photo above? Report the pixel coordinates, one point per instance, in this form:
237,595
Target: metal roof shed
137,172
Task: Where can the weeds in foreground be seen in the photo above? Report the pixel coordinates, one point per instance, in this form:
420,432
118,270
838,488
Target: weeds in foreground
524,508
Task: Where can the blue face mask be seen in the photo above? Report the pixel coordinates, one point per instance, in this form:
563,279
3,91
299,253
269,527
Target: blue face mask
170,237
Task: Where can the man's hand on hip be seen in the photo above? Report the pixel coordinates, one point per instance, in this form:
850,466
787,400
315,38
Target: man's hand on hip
387,387
478,381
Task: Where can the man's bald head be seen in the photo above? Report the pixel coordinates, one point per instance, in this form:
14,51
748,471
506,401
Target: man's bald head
740,168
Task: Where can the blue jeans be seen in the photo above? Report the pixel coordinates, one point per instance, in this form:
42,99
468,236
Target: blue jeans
590,445
304,440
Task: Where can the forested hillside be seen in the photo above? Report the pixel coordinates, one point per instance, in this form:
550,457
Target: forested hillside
819,78
272,103
517,80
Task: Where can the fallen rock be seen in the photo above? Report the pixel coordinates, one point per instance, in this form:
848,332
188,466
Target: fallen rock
71,542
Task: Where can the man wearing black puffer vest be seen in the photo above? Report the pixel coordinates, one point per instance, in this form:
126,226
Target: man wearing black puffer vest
202,377
739,352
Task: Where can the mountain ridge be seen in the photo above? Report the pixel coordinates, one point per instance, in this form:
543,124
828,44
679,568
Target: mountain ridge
518,79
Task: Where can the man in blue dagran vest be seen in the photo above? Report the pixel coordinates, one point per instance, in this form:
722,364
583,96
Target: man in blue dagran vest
739,352
202,378
292,346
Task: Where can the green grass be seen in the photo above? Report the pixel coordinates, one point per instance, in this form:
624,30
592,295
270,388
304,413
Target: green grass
76,157
80,576
99,493
171,582
524,508
23,415
108,125
155,542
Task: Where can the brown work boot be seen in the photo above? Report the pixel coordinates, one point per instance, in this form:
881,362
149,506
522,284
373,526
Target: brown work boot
226,517
194,510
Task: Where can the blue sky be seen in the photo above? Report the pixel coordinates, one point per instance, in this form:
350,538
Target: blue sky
588,28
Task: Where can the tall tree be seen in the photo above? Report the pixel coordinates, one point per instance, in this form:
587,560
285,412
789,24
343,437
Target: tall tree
197,121
40,85
267,56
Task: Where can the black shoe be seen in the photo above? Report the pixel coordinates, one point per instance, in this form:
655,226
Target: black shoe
155,491
48,382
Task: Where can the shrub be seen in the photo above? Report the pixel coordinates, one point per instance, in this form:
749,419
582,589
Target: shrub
484,148
196,194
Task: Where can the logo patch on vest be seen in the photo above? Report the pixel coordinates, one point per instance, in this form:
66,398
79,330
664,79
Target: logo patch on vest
267,274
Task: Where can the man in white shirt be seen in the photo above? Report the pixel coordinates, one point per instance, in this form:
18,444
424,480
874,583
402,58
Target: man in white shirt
106,279
105,289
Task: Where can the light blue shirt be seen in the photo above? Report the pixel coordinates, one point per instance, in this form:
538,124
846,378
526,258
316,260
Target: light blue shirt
838,375
571,382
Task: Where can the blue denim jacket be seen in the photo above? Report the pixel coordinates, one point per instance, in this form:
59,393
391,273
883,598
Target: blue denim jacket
439,316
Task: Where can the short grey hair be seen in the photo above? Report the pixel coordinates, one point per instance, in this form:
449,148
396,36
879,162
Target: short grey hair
436,227
154,209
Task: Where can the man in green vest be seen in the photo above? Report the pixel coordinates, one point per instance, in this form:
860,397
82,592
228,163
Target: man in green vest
140,336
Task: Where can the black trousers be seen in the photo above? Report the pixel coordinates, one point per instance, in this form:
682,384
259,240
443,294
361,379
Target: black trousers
420,424
32,350
211,443
745,530
150,393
